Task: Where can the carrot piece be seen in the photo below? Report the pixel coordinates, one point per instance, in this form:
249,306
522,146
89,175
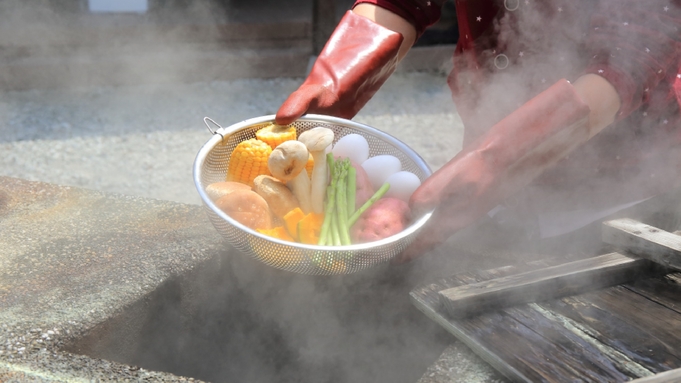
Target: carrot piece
309,228
291,220
278,232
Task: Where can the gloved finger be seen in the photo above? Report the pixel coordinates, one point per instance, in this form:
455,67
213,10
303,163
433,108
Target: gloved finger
295,106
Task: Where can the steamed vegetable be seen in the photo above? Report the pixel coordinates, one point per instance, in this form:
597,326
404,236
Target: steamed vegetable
309,228
278,232
386,217
287,163
248,160
273,134
352,190
364,189
342,201
362,199
291,220
335,229
379,193
317,140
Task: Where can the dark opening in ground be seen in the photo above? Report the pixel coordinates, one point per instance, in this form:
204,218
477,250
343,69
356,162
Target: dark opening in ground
235,319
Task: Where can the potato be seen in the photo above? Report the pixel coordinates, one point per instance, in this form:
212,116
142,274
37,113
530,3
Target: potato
386,217
278,196
218,190
246,207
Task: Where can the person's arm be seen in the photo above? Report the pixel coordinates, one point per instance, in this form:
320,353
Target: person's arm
391,21
634,47
602,99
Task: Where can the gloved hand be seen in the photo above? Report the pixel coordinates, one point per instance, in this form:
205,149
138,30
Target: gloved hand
359,56
504,160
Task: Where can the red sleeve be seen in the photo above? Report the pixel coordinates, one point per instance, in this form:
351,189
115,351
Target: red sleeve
421,13
635,45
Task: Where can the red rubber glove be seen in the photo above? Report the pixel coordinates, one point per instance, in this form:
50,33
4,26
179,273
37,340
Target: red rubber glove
500,163
359,56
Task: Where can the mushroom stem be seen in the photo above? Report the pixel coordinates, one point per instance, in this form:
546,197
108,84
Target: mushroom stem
287,163
318,181
317,140
300,186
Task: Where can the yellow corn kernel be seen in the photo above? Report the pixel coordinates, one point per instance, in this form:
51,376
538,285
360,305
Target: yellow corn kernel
274,135
248,160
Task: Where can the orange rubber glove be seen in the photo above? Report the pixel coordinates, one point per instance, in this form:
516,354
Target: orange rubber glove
500,163
358,58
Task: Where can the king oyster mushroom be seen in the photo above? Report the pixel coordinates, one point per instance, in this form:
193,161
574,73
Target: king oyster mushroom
287,163
317,140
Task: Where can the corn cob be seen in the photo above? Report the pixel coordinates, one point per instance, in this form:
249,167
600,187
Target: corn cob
274,135
248,160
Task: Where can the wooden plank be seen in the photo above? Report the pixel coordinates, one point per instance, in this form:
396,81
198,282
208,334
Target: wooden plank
614,334
665,290
551,282
644,241
629,340
660,322
579,352
518,342
425,298
671,376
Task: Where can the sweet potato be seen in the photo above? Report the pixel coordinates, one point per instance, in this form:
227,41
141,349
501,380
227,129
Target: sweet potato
386,217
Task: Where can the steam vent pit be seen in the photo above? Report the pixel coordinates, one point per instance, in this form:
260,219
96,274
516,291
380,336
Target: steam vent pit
109,287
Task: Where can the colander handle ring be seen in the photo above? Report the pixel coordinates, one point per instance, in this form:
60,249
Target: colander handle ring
208,121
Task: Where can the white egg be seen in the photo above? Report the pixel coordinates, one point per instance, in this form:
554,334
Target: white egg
379,168
402,185
352,146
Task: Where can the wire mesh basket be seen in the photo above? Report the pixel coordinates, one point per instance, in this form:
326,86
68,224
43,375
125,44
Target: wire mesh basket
211,166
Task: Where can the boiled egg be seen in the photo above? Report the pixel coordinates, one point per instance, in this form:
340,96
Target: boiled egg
402,185
380,167
352,146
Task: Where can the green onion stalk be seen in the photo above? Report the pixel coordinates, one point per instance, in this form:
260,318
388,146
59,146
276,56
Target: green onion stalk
352,189
342,201
377,195
325,236
339,208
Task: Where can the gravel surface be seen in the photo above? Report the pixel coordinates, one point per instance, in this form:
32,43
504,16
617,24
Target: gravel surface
142,140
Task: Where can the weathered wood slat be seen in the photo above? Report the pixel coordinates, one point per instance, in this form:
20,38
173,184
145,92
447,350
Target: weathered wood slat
510,342
425,299
615,332
578,353
644,241
662,324
672,376
664,290
536,285
533,356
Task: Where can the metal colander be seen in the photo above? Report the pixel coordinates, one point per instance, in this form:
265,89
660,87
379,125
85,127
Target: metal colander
211,166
